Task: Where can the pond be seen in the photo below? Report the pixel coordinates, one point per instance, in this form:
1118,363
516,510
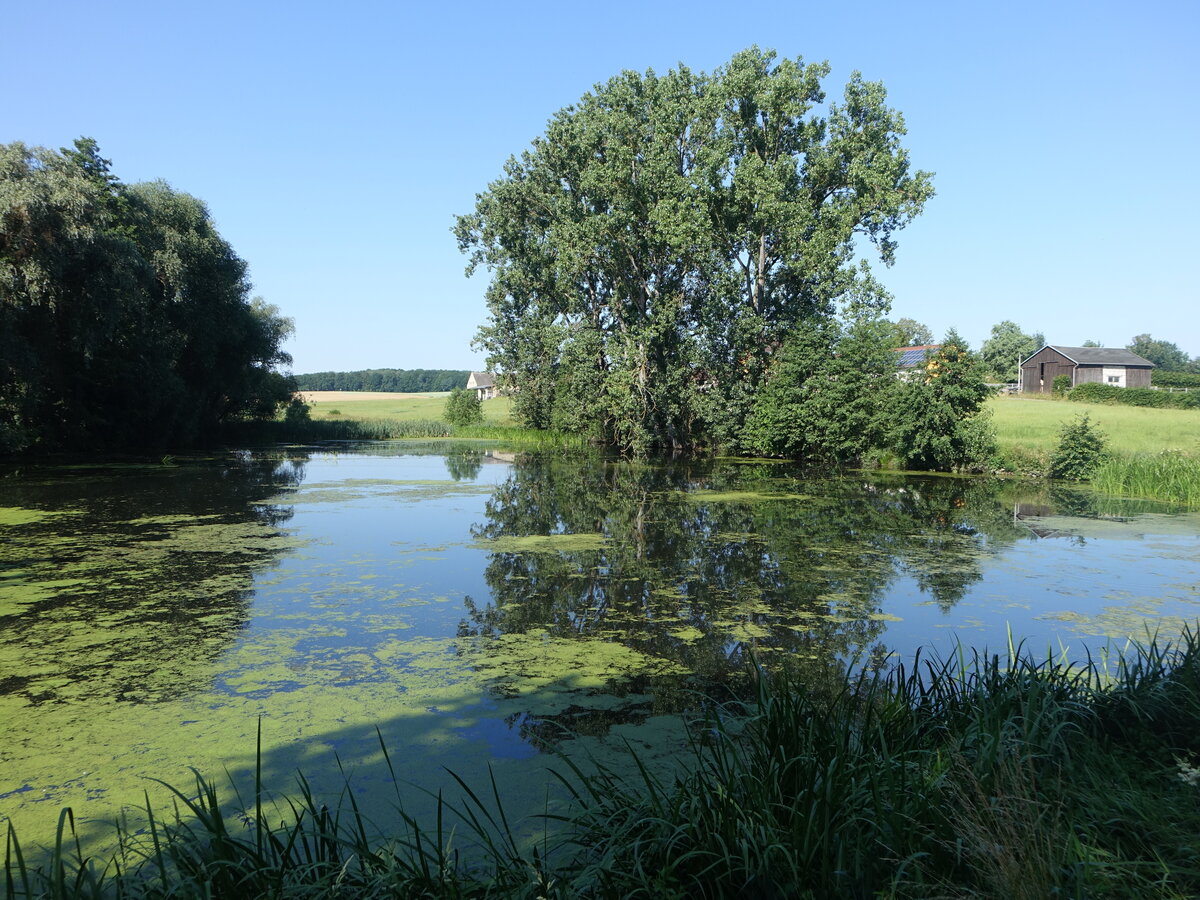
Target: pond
474,609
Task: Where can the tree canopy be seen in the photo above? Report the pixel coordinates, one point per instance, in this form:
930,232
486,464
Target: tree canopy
399,380
1164,354
651,251
1007,346
125,318
910,333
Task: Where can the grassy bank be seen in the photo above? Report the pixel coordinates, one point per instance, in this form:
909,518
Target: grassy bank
983,776
1152,453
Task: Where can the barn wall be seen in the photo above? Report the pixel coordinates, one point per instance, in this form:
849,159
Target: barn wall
1137,376
1040,370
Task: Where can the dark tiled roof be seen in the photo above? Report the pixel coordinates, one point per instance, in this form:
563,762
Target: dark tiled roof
1101,356
482,380
910,357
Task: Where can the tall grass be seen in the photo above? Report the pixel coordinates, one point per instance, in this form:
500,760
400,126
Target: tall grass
515,434
312,430
979,775
1169,475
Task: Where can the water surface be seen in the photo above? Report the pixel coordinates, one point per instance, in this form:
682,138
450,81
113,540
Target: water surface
474,608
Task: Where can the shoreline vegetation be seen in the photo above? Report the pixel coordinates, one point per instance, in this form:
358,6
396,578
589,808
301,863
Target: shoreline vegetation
990,775
1154,453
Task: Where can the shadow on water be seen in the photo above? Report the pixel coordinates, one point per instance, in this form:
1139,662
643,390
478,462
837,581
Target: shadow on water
125,581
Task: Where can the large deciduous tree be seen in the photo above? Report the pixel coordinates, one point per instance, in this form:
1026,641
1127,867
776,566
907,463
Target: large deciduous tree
125,318
1164,354
652,250
910,333
1007,346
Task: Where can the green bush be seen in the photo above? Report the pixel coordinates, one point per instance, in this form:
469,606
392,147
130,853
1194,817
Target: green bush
1081,448
1062,384
297,411
463,408
1108,393
1176,379
1094,392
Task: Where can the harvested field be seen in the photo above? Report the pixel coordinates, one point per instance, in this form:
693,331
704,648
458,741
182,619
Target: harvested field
358,396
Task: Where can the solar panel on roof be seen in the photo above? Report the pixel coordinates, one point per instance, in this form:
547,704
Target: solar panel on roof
910,358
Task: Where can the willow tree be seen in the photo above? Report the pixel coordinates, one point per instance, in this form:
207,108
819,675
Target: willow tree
653,248
125,318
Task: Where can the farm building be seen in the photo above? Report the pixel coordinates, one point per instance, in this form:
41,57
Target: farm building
910,360
483,384
1102,365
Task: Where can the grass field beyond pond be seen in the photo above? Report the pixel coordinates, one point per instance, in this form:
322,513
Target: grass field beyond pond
1034,423
347,405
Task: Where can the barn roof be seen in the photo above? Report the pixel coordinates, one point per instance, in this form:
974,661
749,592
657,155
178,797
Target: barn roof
481,380
910,357
1100,356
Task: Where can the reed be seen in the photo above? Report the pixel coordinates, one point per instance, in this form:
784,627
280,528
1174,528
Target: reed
515,434
1169,475
313,430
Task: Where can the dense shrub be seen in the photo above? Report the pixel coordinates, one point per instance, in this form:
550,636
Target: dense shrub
463,408
932,419
828,396
1176,379
1062,384
1081,448
1107,393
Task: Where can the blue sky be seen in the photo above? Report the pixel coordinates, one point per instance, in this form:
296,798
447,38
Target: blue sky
334,144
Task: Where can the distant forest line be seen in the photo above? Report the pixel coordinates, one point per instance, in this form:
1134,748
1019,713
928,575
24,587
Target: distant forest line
399,380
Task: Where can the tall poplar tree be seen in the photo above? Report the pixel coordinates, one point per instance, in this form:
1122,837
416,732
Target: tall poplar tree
657,244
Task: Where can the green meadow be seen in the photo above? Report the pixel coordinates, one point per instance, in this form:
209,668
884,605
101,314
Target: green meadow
410,408
1033,424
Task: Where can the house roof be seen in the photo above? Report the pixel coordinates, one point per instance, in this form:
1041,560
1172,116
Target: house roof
910,357
481,380
1099,356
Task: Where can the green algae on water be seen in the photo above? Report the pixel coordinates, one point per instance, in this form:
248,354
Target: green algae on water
543,543
16,516
747,496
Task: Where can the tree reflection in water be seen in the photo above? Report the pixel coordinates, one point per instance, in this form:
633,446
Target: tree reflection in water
712,564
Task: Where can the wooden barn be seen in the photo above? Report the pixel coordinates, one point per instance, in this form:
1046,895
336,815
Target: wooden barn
1102,365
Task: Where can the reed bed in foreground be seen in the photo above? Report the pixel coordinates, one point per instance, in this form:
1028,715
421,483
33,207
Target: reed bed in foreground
1169,475
974,776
